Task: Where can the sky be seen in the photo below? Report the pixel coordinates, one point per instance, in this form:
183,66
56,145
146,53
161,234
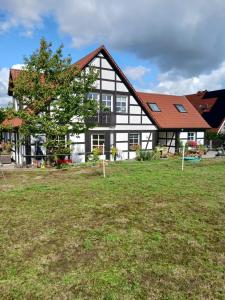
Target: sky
175,47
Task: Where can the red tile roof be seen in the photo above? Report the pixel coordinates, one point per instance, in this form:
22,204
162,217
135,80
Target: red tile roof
169,117
83,62
200,104
211,105
15,122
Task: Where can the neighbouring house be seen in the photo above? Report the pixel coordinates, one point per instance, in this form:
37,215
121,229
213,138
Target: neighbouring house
132,118
211,106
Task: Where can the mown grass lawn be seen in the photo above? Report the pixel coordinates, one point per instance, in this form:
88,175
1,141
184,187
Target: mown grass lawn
146,231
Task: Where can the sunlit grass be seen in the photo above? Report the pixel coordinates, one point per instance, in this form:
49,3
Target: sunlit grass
146,231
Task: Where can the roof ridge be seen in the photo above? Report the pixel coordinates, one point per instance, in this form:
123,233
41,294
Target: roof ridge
159,94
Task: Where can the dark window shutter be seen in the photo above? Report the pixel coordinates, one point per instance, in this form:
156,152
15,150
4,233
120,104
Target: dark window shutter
87,145
107,145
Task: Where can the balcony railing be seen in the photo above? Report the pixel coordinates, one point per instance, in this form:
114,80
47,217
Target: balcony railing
102,119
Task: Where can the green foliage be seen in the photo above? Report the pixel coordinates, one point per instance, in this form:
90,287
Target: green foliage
2,115
144,155
114,152
96,152
215,136
53,92
5,147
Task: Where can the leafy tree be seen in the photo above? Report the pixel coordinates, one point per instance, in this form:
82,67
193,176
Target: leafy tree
215,136
3,114
53,94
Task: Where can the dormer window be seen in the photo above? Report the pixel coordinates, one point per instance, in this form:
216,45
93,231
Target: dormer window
154,107
180,108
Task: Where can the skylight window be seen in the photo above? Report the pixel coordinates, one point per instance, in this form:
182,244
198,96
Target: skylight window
154,107
180,108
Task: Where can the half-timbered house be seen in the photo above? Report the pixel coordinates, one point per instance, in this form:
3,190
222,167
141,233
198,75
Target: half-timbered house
126,118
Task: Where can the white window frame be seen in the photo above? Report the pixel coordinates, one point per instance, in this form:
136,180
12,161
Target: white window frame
107,101
98,139
123,97
91,95
193,138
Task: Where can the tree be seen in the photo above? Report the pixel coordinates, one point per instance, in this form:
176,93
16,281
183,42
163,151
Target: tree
54,96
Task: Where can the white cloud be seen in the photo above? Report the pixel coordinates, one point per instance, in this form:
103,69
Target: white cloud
4,78
136,73
18,66
176,35
170,83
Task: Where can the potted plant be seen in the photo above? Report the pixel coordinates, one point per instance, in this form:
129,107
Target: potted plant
95,155
114,152
5,152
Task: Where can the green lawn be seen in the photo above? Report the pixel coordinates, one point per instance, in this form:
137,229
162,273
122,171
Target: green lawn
146,231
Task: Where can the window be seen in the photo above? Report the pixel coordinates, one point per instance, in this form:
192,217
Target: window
97,141
93,96
121,104
191,136
180,108
133,141
107,102
154,107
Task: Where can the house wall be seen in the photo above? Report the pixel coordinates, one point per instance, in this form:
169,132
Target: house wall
133,121
169,138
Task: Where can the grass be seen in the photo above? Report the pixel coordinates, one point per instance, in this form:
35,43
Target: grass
146,231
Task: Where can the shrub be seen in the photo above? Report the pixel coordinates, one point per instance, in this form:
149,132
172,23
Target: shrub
144,155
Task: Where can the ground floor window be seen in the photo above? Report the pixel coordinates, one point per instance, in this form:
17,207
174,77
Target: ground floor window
97,141
133,141
191,136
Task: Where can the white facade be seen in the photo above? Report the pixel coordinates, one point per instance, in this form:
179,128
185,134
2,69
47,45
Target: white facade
125,125
170,138
131,122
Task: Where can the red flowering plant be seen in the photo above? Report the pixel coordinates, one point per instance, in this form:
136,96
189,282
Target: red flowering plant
192,144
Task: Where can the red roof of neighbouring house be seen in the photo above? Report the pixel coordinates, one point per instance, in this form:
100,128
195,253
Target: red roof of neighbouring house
211,105
169,117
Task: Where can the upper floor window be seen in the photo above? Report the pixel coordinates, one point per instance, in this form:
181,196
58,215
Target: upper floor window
93,96
107,101
121,104
154,107
180,108
191,136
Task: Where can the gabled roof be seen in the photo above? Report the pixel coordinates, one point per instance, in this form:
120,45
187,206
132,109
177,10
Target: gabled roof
211,105
82,63
13,75
169,117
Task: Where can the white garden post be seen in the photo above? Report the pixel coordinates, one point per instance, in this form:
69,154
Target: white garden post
103,160
183,157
